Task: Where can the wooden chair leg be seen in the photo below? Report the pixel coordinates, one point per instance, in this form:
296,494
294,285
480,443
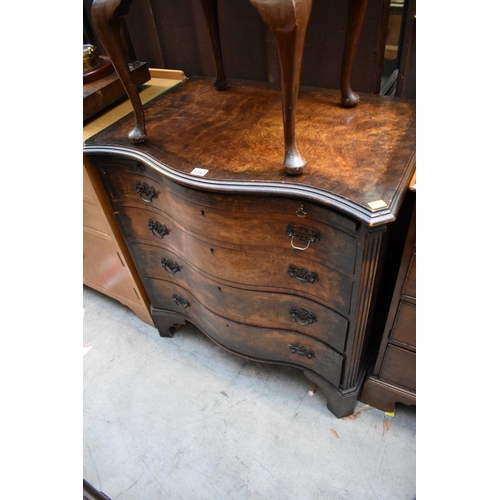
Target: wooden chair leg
210,10
288,21
108,18
357,10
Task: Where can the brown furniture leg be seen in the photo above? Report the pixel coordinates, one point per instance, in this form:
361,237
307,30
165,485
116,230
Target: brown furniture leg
288,21
107,18
357,10
341,403
210,10
167,324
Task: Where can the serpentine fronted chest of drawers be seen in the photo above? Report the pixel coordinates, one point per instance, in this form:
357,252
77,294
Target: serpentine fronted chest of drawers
273,267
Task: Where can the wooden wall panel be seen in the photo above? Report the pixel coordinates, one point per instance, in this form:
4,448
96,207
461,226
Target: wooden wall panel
172,34
142,26
243,40
407,78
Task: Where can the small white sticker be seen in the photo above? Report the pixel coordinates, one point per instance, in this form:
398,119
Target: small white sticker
374,205
200,172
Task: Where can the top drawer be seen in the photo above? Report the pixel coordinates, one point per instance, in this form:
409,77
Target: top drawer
274,223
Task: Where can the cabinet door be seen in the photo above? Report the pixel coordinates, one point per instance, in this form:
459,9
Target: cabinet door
104,270
107,266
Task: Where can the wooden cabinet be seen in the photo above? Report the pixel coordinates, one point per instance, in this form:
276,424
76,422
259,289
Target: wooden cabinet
107,265
276,268
393,379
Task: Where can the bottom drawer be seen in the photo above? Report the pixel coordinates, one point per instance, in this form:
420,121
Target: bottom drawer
260,309
262,344
399,367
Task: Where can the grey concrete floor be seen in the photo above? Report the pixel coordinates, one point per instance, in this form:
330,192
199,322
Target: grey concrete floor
183,419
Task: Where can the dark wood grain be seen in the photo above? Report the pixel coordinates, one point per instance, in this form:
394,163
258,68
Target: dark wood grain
216,249
399,367
270,345
259,309
359,155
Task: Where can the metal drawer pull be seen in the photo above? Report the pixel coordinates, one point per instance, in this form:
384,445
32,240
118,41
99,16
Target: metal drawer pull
303,234
158,230
170,265
300,211
146,192
301,351
180,301
302,317
302,274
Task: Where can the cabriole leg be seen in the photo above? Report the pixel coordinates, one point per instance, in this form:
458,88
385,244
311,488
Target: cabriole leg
357,10
165,323
288,21
108,18
210,10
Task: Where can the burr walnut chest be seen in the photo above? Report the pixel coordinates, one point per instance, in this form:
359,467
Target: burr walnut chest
273,267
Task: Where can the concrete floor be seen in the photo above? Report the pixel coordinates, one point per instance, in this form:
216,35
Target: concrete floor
180,418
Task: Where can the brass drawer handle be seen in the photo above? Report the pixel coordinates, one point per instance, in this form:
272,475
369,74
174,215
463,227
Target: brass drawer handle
302,274
301,351
180,301
159,230
170,265
303,234
300,211
302,317
146,192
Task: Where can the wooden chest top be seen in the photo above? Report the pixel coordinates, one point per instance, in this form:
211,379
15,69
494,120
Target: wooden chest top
360,160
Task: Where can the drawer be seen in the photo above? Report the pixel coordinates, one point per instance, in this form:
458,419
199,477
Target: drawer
240,220
404,328
162,269
399,367
272,345
283,271
410,285
136,189
121,176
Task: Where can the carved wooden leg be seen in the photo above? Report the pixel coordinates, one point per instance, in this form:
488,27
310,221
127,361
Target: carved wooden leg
288,21
357,10
210,9
340,402
166,324
107,18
